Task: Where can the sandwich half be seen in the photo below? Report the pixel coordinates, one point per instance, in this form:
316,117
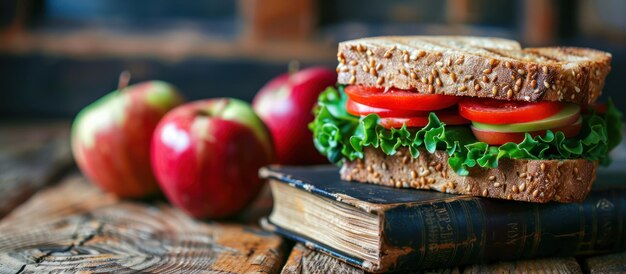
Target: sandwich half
469,115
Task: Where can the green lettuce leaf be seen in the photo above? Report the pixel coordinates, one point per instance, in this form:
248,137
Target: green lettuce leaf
338,135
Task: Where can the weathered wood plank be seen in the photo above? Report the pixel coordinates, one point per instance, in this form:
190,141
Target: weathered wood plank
293,264
550,265
74,227
611,263
30,157
304,260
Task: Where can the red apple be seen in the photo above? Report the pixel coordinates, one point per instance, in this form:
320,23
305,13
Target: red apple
285,104
206,156
111,137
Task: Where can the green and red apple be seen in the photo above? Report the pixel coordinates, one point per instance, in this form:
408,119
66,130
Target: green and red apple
206,156
285,104
111,137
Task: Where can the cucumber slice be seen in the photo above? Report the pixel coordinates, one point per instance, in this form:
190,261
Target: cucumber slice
567,116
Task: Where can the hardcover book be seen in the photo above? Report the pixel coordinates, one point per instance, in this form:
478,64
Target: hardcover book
381,228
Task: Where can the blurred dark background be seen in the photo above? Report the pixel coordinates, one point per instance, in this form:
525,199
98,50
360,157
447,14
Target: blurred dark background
56,56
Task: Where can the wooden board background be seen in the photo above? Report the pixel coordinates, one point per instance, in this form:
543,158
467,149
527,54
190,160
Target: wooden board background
75,227
31,156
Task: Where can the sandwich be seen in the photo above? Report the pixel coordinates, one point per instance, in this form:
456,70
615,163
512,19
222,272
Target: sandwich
469,115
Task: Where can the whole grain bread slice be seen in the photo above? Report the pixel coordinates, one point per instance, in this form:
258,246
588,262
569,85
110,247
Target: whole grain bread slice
474,66
537,181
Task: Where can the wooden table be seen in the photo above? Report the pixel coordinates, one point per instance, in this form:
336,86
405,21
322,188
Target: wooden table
52,219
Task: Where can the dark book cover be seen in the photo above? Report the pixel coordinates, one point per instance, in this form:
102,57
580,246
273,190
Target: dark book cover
427,229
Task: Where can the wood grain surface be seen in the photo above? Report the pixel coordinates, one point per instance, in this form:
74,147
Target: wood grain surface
304,260
610,263
550,265
31,156
73,227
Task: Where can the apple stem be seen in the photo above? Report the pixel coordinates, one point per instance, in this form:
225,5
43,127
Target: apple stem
294,66
123,80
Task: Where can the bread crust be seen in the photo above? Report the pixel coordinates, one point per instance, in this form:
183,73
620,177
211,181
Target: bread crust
538,181
475,67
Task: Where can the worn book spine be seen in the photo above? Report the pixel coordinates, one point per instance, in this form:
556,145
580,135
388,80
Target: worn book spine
473,230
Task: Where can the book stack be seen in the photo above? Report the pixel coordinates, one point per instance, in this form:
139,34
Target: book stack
379,228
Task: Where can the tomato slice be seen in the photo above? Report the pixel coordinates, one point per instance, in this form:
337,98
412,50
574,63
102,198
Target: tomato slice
499,138
448,116
399,99
358,109
497,112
